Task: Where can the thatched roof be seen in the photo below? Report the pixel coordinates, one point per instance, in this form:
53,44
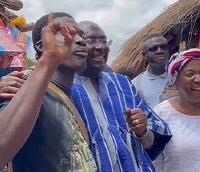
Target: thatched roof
179,22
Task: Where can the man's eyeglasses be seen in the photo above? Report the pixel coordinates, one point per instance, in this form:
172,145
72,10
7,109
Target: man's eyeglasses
95,41
162,47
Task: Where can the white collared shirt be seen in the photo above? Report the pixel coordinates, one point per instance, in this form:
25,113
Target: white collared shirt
150,86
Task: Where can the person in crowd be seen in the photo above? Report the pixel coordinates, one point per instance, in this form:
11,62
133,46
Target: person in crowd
115,144
42,108
152,81
182,113
105,100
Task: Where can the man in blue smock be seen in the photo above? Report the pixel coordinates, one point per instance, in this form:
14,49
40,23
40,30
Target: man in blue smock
120,124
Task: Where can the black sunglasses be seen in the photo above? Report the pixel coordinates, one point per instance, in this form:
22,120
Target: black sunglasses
162,47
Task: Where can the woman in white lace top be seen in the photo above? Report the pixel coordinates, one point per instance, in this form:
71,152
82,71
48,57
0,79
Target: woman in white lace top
182,113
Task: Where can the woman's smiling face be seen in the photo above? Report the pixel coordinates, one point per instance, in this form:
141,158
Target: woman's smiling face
188,82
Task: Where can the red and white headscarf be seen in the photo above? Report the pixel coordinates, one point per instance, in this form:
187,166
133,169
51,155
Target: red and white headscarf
178,60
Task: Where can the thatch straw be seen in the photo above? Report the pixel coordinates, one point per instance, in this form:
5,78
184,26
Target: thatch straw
12,4
130,61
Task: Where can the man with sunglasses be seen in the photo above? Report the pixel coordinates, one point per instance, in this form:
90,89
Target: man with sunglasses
116,117
151,82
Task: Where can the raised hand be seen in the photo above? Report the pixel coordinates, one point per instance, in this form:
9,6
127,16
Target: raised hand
136,120
57,51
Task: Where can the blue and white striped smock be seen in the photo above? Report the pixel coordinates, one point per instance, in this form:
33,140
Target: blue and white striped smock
115,94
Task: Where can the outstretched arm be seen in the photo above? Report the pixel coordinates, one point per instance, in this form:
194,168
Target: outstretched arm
18,118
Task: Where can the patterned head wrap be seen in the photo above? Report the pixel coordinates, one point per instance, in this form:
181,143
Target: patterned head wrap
179,60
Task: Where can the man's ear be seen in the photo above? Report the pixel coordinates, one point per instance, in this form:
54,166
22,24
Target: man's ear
38,46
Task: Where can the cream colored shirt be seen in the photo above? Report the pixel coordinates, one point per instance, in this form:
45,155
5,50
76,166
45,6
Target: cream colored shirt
182,153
